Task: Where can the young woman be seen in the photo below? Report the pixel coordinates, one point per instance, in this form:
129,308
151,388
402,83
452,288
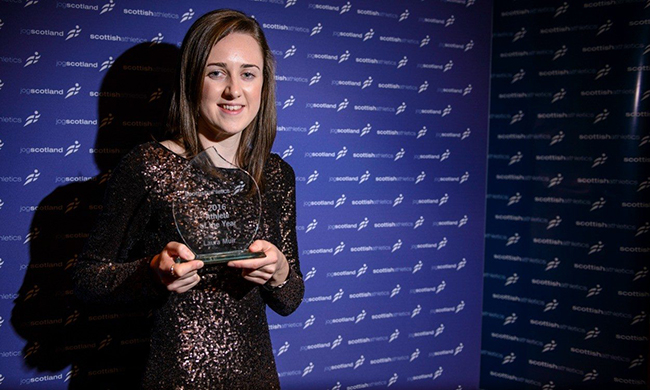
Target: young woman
210,329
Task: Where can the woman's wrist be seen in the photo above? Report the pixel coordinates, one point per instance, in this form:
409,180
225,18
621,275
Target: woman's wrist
279,278
268,286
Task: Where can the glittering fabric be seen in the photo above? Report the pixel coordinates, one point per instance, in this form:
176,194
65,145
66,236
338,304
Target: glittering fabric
216,335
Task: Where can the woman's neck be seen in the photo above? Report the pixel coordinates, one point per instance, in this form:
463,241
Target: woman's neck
227,147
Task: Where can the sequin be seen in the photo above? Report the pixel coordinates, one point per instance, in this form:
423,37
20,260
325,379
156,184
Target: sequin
216,335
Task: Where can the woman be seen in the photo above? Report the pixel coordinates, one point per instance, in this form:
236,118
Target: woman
210,329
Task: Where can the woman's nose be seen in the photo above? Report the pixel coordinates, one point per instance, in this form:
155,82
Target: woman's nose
233,89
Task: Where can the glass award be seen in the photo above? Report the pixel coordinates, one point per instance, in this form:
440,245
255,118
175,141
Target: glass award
217,209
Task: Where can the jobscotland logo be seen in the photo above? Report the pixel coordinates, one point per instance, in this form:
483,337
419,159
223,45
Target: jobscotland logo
108,7
73,33
107,64
74,90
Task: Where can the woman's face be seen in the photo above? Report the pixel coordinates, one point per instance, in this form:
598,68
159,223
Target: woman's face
232,87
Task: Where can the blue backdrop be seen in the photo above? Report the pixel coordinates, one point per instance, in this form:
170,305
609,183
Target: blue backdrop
383,115
566,271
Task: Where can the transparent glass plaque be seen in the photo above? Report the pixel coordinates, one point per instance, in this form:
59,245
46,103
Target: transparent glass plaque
217,209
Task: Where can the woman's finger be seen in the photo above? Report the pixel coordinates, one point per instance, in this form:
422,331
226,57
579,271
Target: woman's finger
271,253
252,263
167,257
261,246
262,272
177,277
176,249
182,269
183,285
257,279
273,266
260,276
269,250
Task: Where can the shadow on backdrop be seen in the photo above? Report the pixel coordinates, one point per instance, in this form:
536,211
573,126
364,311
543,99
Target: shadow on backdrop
104,346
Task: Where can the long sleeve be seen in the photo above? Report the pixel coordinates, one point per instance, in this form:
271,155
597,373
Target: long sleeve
112,268
286,299
223,318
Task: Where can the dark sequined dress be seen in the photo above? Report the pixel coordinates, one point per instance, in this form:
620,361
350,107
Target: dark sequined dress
215,335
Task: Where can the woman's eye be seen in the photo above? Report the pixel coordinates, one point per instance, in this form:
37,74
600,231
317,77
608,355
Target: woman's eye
216,74
249,75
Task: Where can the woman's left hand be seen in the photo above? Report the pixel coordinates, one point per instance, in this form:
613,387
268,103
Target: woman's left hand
273,268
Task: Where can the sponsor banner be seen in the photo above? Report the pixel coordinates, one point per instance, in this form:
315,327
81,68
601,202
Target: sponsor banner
567,211
382,113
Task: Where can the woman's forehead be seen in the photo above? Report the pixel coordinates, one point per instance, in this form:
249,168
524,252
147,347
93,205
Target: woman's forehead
237,47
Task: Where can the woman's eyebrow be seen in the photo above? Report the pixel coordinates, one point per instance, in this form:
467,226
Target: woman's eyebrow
223,65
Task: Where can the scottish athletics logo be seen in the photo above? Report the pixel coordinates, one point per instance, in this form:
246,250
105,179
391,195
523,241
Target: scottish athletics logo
107,64
73,33
73,91
33,59
32,119
157,39
316,30
315,79
74,148
187,15
290,52
108,7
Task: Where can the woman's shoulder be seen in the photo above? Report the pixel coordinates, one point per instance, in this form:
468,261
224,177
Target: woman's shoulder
154,152
142,150
173,147
279,174
275,164
145,159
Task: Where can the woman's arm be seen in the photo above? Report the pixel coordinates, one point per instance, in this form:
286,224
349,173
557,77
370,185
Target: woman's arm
109,270
285,300
279,273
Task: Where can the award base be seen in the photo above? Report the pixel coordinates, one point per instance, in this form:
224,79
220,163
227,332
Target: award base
224,257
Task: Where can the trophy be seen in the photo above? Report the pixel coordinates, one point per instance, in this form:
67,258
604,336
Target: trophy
217,209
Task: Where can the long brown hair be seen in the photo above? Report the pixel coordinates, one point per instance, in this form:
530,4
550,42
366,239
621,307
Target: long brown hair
257,138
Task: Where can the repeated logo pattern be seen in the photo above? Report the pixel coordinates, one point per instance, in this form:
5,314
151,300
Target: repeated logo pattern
566,276
380,156
382,113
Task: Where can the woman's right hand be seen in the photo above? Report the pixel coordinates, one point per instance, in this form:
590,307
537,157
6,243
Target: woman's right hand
177,277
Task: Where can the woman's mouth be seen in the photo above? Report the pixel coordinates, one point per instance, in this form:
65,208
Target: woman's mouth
231,108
